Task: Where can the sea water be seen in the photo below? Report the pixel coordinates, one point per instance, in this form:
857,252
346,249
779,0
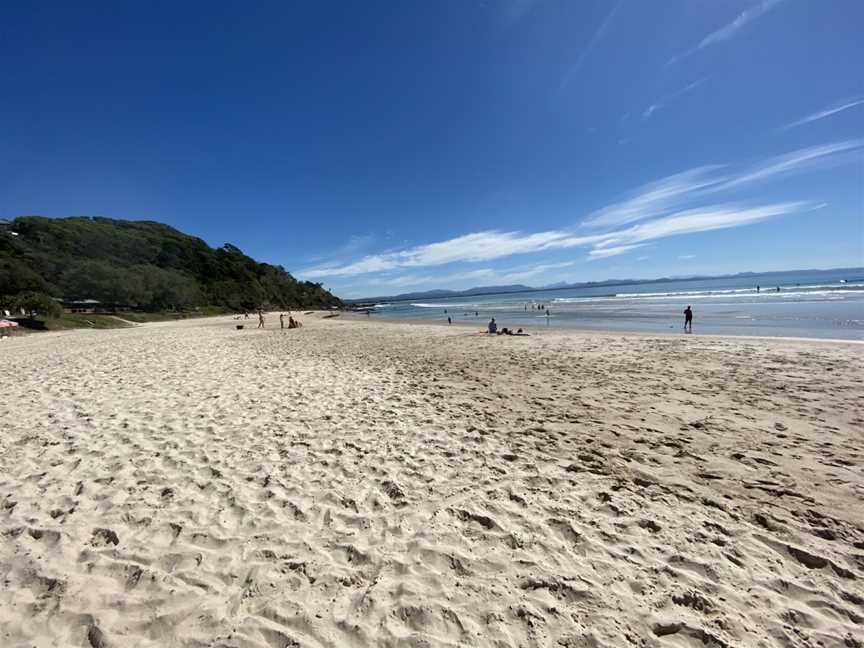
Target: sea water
817,304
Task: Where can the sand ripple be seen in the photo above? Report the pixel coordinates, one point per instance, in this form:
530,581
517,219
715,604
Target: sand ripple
353,485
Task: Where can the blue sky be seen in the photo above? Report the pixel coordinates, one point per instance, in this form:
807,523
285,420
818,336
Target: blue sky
383,147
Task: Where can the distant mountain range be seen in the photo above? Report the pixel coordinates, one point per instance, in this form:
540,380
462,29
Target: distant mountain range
563,285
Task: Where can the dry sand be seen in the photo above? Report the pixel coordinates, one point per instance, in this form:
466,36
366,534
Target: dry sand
362,484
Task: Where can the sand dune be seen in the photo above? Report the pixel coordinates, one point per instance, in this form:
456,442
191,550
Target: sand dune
362,484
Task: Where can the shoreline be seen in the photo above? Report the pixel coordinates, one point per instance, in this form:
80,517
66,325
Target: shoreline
583,331
479,329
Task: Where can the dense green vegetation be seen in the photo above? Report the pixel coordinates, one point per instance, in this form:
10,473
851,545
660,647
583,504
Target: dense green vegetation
139,265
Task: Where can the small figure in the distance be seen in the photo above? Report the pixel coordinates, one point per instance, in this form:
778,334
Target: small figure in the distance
688,320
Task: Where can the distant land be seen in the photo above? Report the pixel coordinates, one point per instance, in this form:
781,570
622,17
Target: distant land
505,289
139,265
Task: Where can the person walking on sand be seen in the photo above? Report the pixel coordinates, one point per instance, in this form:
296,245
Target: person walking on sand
688,319
281,320
449,321
260,319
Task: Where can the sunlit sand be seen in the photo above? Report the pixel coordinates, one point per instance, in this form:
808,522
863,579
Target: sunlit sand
353,483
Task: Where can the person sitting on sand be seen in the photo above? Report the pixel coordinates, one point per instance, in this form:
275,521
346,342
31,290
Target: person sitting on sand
493,327
688,318
292,323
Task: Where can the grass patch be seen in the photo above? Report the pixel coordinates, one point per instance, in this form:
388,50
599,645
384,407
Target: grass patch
141,318
82,320
110,321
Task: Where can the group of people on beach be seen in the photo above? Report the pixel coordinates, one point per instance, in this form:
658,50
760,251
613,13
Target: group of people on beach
492,329
540,307
292,323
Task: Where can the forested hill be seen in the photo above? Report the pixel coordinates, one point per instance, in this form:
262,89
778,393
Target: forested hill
141,264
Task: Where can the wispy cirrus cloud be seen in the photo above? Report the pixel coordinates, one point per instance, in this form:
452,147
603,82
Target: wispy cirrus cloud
822,114
474,247
703,219
661,196
589,47
656,210
728,31
655,198
665,100
799,160
496,275
603,252
494,244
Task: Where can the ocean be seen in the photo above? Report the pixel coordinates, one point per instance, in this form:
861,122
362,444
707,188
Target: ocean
813,304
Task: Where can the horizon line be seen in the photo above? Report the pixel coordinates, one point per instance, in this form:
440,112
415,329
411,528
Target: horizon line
609,282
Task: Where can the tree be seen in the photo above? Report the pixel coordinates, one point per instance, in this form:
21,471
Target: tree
38,303
144,265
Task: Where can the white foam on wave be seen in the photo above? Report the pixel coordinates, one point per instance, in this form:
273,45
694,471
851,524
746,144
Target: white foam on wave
834,293
443,305
745,291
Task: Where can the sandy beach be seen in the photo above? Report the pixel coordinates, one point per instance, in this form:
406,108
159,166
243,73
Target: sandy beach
355,483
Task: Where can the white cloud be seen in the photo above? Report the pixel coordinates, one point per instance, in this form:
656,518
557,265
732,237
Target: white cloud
603,252
482,246
650,204
684,257
654,198
822,114
498,276
728,31
669,98
659,197
794,161
704,219
478,246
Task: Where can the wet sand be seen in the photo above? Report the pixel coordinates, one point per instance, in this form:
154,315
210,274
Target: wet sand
358,484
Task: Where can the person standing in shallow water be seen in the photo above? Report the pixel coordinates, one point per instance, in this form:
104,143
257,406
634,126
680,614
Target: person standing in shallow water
688,319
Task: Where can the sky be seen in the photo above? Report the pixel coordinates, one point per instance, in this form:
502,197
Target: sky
381,147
